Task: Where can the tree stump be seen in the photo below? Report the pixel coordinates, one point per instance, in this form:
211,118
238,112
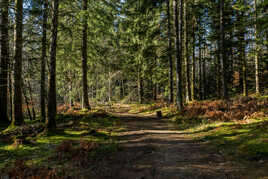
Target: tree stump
159,114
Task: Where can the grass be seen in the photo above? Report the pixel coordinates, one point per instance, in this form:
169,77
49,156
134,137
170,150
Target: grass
241,140
86,126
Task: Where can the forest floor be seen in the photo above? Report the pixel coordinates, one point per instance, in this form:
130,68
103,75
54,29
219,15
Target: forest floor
129,141
152,148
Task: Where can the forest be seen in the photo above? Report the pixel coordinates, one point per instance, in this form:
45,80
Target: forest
133,89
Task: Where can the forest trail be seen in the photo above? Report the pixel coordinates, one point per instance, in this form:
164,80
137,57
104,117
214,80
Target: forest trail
150,148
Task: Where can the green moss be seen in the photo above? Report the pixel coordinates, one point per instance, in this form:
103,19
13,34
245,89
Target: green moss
37,150
10,128
3,127
245,140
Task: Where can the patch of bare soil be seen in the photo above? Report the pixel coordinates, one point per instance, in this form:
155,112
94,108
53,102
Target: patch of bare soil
153,149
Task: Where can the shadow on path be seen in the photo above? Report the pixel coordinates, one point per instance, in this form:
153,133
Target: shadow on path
150,148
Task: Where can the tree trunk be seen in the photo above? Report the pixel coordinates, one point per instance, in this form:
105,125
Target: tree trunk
204,74
218,72
243,54
84,57
71,103
186,55
181,46
109,86
10,91
27,104
217,50
121,89
193,62
222,52
155,91
178,53
140,88
18,113
257,83
232,65
96,85
43,63
200,70
32,101
52,102
4,63
171,95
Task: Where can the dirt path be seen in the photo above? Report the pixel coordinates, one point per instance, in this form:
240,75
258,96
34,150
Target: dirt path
153,149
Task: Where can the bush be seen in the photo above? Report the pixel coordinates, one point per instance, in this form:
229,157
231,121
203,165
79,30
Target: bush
238,109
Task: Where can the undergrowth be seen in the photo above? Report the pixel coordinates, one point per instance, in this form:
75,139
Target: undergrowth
81,137
237,127
206,112
241,140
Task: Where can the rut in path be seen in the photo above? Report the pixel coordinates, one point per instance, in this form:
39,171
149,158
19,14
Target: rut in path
153,149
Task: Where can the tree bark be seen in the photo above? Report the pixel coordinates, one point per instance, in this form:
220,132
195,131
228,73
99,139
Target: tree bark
10,91
43,63
52,102
27,104
204,73
171,94
109,86
243,54
140,87
193,61
218,72
257,83
121,82
222,52
178,53
4,63
18,113
200,80
186,55
31,99
84,57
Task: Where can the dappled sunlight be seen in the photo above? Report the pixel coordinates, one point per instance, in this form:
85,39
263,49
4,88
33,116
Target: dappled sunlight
149,132
38,149
244,140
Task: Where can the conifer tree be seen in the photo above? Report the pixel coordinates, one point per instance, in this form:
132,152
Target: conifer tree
52,102
5,60
18,113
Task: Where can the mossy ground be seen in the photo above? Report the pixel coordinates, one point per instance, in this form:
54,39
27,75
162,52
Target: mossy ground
83,125
247,141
